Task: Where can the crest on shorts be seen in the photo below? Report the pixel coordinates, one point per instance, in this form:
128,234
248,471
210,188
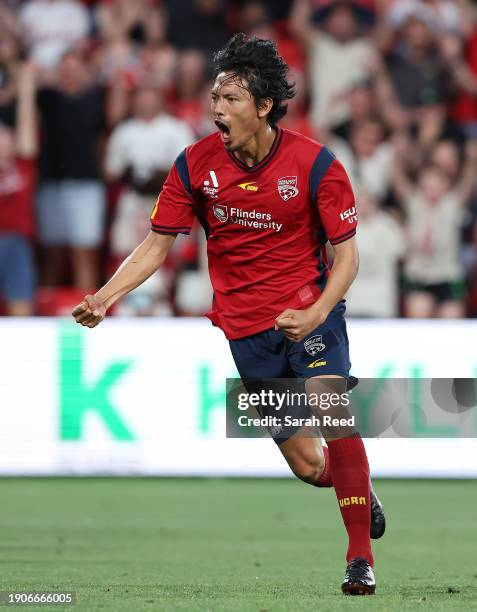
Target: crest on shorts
287,187
274,430
221,212
314,345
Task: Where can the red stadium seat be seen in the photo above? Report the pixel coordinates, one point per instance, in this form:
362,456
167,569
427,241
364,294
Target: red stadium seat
58,301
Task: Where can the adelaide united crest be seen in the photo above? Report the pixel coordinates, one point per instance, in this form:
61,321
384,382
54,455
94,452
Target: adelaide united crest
287,187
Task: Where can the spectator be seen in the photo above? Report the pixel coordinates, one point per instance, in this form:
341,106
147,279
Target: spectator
116,56
362,105
447,16
257,20
446,156
297,117
462,57
433,270
427,61
365,70
416,64
52,27
8,68
131,19
190,80
338,57
139,154
375,290
199,24
134,45
254,15
193,295
18,151
368,157
71,201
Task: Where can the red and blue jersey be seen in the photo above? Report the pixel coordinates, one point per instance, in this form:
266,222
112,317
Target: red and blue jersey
267,225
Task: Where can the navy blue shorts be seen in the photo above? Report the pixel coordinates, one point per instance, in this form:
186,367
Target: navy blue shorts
268,354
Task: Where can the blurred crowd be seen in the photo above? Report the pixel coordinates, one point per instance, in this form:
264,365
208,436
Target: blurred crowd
97,98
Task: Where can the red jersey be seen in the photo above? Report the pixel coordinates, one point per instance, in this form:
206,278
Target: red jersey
266,225
17,189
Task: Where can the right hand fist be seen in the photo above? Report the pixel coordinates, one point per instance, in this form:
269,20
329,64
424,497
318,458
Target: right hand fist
90,312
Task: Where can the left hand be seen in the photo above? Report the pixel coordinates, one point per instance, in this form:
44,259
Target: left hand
296,324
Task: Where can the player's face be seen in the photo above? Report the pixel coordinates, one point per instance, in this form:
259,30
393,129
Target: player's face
234,111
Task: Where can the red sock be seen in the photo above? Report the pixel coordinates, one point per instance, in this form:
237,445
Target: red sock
325,478
350,475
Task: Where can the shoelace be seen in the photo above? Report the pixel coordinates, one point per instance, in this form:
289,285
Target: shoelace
357,567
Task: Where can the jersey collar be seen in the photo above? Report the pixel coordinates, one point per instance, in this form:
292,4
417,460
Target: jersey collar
265,161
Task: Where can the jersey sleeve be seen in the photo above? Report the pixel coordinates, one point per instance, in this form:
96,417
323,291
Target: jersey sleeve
332,193
174,209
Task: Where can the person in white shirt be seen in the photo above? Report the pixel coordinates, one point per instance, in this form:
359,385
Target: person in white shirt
367,158
52,27
338,57
434,205
139,153
381,245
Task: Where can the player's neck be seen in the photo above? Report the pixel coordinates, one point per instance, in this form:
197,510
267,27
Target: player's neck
258,147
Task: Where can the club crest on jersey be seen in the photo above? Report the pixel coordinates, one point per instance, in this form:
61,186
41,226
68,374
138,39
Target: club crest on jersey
221,212
287,187
314,345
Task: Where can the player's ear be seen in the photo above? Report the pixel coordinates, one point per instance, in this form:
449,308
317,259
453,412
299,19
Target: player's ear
265,107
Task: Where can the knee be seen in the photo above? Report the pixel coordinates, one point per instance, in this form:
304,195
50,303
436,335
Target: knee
309,470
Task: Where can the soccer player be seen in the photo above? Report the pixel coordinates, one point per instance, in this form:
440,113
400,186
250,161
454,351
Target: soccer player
269,200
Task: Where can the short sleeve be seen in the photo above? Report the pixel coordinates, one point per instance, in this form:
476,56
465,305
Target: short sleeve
331,190
174,209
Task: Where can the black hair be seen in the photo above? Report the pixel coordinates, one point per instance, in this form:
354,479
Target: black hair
257,62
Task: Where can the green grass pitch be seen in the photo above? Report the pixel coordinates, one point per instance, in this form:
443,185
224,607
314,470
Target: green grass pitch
232,545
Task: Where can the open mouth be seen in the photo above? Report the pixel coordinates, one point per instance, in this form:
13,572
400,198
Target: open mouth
224,129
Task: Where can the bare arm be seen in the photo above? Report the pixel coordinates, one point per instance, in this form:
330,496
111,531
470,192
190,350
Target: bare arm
296,324
468,179
342,274
452,51
135,269
401,184
393,113
467,17
300,22
117,102
26,123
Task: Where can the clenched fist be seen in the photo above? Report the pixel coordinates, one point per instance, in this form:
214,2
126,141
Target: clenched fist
90,312
296,324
